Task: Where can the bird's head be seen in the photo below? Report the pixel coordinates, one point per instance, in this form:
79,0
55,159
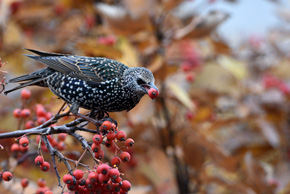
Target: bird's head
141,81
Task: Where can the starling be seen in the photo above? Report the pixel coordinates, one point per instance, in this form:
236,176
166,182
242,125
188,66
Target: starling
94,83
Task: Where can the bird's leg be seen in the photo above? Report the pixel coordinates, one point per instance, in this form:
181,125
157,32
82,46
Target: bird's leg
93,114
74,108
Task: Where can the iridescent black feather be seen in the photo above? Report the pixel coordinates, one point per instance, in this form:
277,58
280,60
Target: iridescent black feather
93,83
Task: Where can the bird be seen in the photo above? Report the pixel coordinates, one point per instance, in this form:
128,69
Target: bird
94,83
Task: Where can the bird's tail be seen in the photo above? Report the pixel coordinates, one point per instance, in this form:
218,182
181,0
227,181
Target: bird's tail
35,78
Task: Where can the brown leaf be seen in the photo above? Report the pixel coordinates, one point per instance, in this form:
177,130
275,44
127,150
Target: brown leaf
194,155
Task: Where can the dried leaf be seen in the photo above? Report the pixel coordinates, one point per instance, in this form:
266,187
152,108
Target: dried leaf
269,132
181,95
236,68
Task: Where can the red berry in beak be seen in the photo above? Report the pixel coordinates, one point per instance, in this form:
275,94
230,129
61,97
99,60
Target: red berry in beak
153,93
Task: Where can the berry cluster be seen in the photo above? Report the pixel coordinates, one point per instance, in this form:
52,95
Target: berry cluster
30,116
104,177
191,60
270,81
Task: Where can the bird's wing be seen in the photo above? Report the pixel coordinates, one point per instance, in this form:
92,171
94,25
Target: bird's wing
93,70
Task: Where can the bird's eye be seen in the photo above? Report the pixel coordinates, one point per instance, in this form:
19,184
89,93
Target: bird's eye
140,81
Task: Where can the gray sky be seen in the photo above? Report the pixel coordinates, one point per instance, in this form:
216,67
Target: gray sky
248,17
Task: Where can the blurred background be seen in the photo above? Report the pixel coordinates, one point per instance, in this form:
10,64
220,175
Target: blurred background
221,122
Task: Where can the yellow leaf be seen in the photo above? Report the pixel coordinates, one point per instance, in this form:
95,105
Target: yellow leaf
181,95
129,53
235,67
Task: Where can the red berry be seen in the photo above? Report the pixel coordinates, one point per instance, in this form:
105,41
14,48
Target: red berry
78,174
41,120
109,144
107,125
97,139
61,146
17,113
104,178
48,115
24,141
109,40
61,136
15,6
24,182
90,21
41,190
121,135
116,188
117,180
41,182
153,93
126,185
125,156
29,124
111,136
115,161
67,178
129,142
190,77
186,66
25,113
23,149
45,166
189,115
100,154
15,147
38,160
95,147
25,94
103,169
59,9
93,177
40,110
7,176
114,173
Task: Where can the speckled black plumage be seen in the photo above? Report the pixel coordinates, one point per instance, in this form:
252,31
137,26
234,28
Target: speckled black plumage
92,83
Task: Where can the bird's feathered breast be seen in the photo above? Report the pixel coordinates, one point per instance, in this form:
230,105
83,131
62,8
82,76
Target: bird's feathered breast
93,70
